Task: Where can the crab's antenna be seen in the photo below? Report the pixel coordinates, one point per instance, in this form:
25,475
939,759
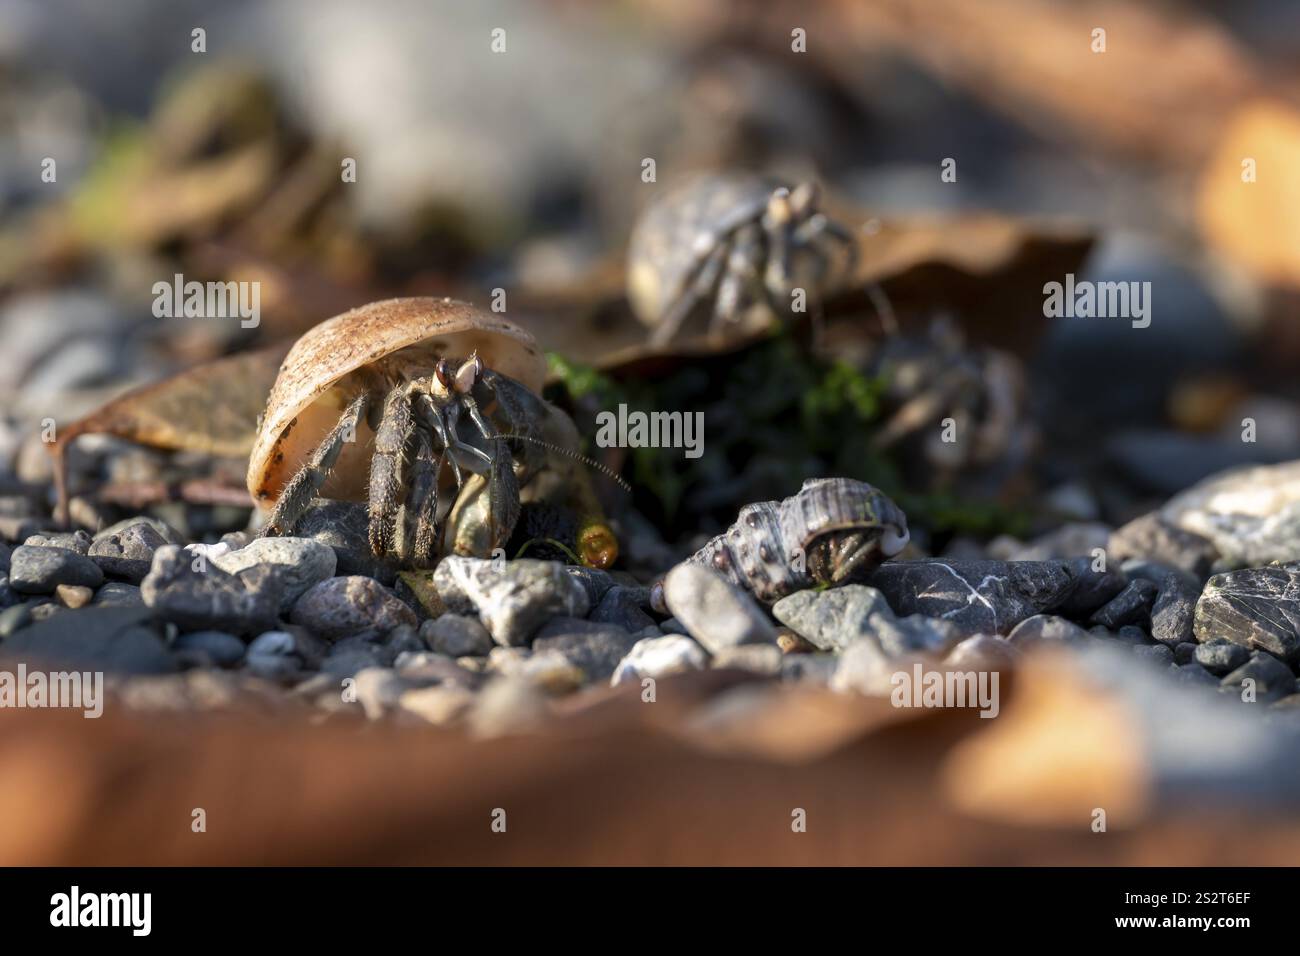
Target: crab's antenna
603,469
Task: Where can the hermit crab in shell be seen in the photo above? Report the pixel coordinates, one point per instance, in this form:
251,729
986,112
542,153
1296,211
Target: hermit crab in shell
403,404
832,532
739,246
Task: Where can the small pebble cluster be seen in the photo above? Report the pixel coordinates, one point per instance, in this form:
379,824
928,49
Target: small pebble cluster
315,622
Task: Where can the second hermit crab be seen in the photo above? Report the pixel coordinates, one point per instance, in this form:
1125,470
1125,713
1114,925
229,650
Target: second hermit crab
400,404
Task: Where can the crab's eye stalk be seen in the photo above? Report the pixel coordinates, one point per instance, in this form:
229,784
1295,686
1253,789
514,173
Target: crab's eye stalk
804,199
443,373
778,207
468,374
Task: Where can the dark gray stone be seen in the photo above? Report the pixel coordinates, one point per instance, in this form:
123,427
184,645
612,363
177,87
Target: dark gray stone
117,594
1130,606
114,640
1156,653
186,589
457,635
1257,608
1273,679
1221,656
75,541
596,649
1185,653
351,606
978,597
1174,611
128,553
1092,590
594,581
300,563
215,647
5,552
624,607
39,570
13,619
8,596
344,526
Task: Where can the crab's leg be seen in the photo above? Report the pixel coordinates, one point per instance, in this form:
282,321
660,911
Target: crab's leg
386,468
304,485
427,409
503,485
420,539
697,284
743,277
522,411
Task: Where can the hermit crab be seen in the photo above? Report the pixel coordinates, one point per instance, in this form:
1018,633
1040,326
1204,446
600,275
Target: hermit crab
833,531
738,245
394,403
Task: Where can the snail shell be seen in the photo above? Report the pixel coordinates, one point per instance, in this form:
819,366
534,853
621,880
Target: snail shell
834,530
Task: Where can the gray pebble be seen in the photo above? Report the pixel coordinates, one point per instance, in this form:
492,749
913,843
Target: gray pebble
762,659
346,606
457,635
1157,653
1221,656
301,563
715,612
76,541
624,606
1045,628
1174,611
596,649
512,598
117,640
1130,606
39,570
217,647
196,595
1185,653
127,553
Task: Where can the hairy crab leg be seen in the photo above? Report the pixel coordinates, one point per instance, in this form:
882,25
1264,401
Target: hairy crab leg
304,485
386,469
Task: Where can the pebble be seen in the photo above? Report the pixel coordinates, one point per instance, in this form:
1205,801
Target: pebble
457,635
5,552
791,642
118,594
1092,589
73,596
344,526
716,613
301,563
117,640
215,647
347,606
1045,628
1174,611
1255,607
835,619
1185,653
507,705
1272,678
513,598
13,619
199,596
764,659
813,669
425,667
596,649
1196,675
977,597
1251,515
1153,538
984,652
350,655
1221,656
39,570
660,656
127,553
378,690
625,607
8,596
77,541
1130,606
442,705
593,580
1158,653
